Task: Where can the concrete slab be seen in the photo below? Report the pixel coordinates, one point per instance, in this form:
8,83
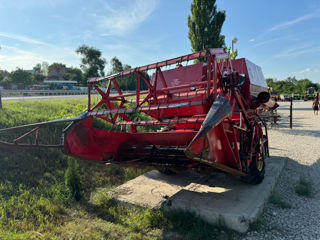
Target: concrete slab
218,198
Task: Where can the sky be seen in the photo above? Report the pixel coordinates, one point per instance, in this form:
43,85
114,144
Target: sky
280,36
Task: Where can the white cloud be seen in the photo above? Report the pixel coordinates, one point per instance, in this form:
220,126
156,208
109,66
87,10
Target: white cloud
298,51
292,22
252,40
22,38
123,21
12,57
306,71
257,43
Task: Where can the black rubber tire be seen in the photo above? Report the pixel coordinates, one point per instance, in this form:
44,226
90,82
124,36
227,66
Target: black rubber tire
255,176
266,150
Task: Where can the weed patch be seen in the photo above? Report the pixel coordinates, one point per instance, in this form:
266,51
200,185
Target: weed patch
304,188
257,225
276,200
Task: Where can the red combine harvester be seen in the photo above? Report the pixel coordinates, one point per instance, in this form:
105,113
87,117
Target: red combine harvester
200,116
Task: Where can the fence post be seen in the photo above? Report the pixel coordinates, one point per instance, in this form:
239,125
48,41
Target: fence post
0,101
290,112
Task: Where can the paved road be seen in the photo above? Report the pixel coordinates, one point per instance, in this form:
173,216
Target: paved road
41,97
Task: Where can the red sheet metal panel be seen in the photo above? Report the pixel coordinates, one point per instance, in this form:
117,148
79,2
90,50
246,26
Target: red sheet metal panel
97,144
181,76
254,73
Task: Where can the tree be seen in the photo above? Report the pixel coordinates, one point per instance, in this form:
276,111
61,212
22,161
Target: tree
74,74
3,74
302,85
290,85
234,54
56,66
39,73
292,80
116,65
127,82
205,24
20,76
126,67
92,61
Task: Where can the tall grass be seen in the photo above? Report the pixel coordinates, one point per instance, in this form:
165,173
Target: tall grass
37,202
35,192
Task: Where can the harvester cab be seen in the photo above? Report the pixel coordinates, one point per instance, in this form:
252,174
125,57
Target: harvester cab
198,116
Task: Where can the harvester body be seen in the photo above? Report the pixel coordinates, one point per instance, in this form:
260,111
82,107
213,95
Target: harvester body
206,112
193,115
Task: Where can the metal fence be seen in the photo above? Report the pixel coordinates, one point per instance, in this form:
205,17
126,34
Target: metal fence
7,93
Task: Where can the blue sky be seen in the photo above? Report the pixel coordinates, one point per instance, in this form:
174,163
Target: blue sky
280,36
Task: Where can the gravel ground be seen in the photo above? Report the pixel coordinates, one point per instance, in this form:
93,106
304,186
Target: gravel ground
301,147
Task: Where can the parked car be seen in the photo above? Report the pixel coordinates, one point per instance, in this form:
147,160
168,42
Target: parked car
285,97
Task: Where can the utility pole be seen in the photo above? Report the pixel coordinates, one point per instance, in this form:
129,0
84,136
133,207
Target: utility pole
291,112
233,42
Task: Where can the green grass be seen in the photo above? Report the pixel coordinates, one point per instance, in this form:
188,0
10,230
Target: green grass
36,203
304,188
276,200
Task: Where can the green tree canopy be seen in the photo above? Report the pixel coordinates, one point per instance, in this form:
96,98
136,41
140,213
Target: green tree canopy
291,85
127,82
3,74
116,65
205,24
92,62
56,66
74,74
234,54
20,76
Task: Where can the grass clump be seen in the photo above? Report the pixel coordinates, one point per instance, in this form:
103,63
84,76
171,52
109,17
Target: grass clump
72,179
304,188
276,200
174,224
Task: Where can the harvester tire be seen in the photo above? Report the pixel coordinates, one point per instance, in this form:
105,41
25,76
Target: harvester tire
265,145
256,174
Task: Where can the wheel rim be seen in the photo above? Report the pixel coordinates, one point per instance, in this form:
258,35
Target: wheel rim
259,164
260,157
